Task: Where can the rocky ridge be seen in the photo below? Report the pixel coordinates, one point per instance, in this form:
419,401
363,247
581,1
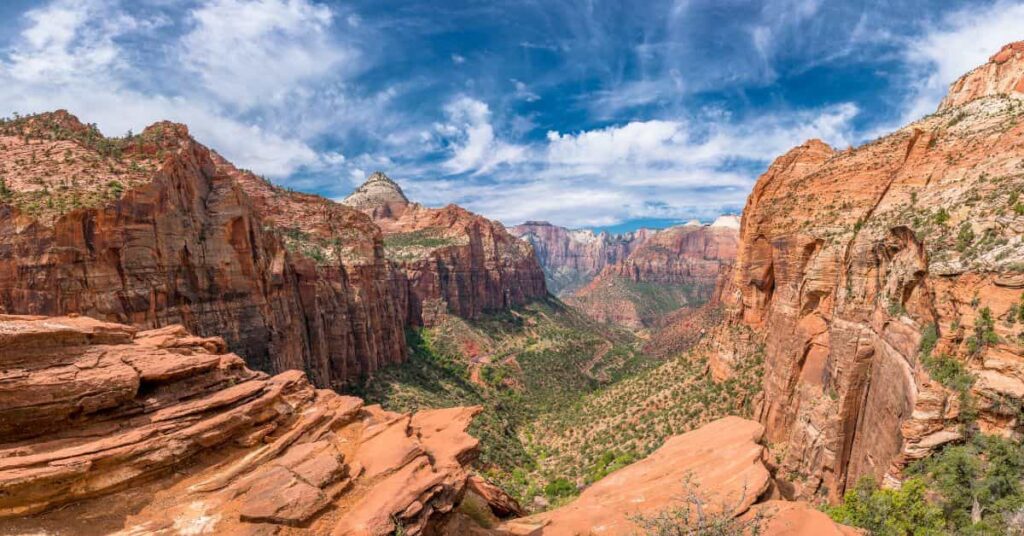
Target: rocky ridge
161,432
871,273
455,261
572,258
291,281
718,469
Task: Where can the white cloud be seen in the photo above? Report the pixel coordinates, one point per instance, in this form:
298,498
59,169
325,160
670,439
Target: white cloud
641,169
458,59
523,91
70,55
474,146
247,51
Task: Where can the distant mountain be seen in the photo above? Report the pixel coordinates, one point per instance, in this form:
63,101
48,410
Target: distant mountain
672,269
455,261
572,258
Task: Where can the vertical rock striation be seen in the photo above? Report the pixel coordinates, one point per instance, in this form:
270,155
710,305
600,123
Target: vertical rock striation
454,261
572,258
849,260
674,268
291,281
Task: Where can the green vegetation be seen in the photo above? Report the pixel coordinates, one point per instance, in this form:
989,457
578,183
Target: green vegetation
414,244
984,332
544,372
887,512
950,372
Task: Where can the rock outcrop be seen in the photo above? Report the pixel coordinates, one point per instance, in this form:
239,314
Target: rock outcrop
109,430
1002,75
572,258
718,468
455,261
674,268
156,229
860,268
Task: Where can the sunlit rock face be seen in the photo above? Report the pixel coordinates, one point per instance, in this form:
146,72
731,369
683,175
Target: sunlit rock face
675,268
847,257
452,260
157,230
108,430
572,258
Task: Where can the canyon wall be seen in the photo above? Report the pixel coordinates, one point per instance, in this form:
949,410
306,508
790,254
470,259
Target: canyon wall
455,262
572,258
675,268
862,269
184,243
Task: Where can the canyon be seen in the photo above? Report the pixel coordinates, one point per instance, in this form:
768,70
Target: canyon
572,258
635,279
181,340
156,229
675,268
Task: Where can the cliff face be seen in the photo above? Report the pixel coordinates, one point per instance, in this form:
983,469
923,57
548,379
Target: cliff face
674,268
107,430
849,262
571,259
454,261
157,230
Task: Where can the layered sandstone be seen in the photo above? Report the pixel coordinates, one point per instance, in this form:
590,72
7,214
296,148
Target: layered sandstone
572,258
179,236
847,258
716,470
1002,75
107,430
674,268
454,261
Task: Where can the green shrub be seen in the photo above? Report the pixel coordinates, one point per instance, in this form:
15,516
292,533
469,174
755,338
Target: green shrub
965,237
559,487
976,485
889,512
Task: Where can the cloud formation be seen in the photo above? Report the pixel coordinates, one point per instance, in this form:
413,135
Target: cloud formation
582,112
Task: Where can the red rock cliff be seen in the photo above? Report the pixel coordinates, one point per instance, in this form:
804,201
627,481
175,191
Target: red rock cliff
674,268
157,230
572,258
455,261
107,430
847,258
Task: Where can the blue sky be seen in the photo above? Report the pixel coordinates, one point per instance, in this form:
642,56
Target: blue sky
583,113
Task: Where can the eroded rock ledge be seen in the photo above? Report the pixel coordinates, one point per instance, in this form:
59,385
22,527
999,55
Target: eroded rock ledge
108,430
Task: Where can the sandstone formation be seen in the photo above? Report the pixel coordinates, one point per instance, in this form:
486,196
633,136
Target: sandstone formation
455,261
674,268
718,467
107,430
1002,75
572,258
849,260
156,229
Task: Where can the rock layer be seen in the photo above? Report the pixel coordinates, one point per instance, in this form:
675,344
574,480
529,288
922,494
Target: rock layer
290,281
455,261
160,432
846,260
572,258
674,268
